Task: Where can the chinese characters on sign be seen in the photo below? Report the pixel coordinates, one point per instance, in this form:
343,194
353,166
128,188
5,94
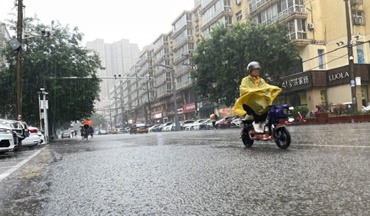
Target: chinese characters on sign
295,82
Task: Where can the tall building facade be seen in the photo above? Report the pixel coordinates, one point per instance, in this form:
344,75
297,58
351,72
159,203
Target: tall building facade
117,59
327,45
329,38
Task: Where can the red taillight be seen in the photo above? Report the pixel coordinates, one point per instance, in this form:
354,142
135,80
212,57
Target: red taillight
33,130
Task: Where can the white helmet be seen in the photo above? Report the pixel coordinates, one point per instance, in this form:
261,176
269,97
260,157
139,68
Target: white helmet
253,65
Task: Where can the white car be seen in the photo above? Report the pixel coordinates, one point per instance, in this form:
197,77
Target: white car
33,139
154,128
169,127
19,130
185,123
6,139
162,126
42,137
194,125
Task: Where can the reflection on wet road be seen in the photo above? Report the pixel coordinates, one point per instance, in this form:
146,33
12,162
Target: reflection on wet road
324,172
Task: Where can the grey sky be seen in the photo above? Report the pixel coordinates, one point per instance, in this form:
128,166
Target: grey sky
140,21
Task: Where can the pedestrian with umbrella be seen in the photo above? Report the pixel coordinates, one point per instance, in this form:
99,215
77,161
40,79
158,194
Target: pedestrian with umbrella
85,130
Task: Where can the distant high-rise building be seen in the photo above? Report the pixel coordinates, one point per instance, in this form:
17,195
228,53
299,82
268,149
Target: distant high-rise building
117,58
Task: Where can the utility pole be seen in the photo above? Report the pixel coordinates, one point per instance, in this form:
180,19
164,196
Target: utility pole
149,112
19,60
356,101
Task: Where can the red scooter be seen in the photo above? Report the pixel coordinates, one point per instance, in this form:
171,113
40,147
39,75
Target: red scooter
274,129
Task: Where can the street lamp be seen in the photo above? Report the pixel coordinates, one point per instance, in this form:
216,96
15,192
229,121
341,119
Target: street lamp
44,106
177,124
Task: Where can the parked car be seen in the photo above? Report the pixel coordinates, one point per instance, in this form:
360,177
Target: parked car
42,137
169,127
139,128
66,134
160,128
185,123
19,130
154,128
102,132
6,139
206,125
33,139
194,125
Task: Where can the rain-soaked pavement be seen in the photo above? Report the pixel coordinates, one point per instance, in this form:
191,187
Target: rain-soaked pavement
324,172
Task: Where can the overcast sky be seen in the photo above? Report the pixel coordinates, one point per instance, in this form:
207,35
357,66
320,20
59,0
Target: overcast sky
140,21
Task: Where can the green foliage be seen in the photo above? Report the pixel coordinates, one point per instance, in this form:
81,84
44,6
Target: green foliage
223,57
45,61
302,110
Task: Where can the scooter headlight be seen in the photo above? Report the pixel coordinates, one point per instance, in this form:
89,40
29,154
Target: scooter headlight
285,111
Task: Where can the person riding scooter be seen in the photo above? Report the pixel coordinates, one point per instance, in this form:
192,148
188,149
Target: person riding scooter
256,97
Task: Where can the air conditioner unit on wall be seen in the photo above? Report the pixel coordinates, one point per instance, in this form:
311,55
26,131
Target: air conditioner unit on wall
311,26
358,20
354,2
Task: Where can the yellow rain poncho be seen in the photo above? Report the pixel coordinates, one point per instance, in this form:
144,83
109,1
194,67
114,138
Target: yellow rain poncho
257,94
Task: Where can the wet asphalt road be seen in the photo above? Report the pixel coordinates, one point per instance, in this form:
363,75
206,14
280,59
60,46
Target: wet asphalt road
324,172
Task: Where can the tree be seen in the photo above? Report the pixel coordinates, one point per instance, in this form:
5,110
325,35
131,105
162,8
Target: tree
222,58
45,61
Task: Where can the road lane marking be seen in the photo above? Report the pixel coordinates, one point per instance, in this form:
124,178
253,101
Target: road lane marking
292,144
337,146
14,168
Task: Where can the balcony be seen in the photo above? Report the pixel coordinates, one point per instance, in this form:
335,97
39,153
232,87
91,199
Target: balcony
258,5
179,42
300,38
293,12
207,23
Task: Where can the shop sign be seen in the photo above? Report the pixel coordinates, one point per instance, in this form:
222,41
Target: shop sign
189,107
294,82
205,105
338,76
158,115
179,111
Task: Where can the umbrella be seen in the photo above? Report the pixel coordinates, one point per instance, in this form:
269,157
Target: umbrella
88,122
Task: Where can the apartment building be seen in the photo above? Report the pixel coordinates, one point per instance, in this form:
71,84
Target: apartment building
319,28
117,58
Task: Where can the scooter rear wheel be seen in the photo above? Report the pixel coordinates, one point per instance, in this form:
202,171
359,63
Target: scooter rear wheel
282,138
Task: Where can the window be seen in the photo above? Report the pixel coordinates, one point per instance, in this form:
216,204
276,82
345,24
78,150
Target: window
239,16
323,96
360,54
320,53
358,17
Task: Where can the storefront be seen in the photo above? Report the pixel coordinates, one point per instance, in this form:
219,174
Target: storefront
324,87
205,108
189,111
